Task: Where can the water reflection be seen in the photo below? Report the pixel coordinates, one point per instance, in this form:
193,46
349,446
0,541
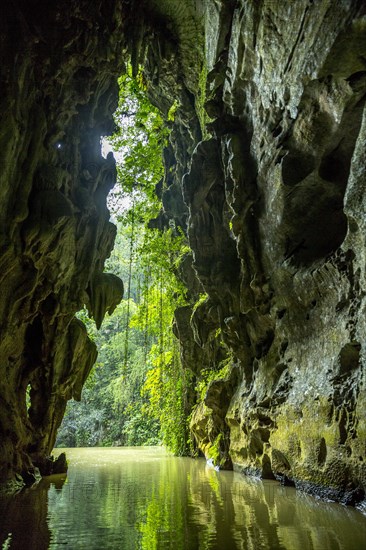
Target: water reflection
138,498
23,517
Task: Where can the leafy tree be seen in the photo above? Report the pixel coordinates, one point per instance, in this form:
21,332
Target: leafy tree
136,393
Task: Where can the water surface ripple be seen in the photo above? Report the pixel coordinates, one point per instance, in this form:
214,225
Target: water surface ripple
143,498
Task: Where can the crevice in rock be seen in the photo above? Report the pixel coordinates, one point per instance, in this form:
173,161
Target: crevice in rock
268,182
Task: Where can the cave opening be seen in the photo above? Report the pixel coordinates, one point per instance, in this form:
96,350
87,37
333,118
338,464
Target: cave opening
134,394
243,342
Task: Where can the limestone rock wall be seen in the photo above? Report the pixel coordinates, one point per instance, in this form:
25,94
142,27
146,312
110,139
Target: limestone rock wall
58,93
265,171
274,193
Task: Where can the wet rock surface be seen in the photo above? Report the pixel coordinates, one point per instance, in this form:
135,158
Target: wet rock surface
58,93
276,219
265,173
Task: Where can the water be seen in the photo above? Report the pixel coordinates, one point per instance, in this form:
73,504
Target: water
143,498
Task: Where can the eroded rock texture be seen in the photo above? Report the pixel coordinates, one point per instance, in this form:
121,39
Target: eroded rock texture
58,93
265,171
274,187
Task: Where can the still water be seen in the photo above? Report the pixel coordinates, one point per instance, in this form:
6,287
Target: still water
142,498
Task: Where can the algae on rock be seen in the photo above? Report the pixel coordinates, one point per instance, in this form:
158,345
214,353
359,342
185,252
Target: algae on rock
271,193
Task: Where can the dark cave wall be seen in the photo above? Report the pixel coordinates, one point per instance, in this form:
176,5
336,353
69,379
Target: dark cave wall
274,190
58,93
265,171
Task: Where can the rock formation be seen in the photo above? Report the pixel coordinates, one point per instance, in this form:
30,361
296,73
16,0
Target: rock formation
274,189
265,173
58,93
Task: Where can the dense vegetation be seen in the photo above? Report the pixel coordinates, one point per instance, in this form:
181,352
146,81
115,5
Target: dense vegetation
135,394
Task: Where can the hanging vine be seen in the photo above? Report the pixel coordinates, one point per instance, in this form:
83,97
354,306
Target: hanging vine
127,326
141,139
146,310
140,389
161,315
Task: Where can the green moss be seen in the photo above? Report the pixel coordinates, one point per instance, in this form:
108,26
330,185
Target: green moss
201,300
172,111
207,376
310,443
213,451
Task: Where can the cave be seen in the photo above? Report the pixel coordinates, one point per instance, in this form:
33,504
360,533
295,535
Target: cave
266,176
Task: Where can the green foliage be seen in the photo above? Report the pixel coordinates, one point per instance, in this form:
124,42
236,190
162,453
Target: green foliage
214,450
173,110
163,386
89,323
201,300
136,394
209,375
139,143
110,411
7,543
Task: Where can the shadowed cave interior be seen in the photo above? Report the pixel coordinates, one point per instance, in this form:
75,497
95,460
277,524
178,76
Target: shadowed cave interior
265,173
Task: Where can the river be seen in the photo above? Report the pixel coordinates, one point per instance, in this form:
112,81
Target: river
143,498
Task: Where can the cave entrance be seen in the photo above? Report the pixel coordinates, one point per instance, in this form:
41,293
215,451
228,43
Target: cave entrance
134,393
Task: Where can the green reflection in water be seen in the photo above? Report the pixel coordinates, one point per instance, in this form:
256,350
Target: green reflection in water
143,498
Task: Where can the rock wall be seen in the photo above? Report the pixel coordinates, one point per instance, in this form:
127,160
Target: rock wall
265,171
58,93
274,189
